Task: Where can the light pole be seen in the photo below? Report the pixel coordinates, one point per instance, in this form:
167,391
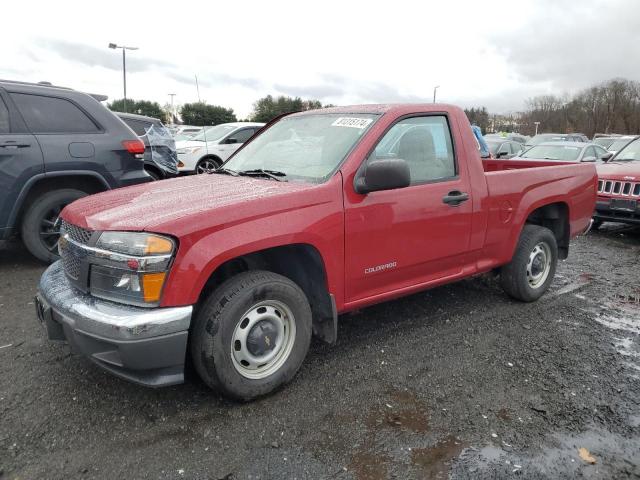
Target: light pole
172,111
434,92
536,124
124,68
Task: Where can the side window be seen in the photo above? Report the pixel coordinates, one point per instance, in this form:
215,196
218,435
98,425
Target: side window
138,126
5,126
52,115
600,152
589,153
424,143
243,135
505,148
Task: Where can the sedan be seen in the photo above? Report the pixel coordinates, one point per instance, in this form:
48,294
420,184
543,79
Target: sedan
503,148
566,152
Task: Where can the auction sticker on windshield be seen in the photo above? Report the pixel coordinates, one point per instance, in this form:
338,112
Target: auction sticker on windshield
352,122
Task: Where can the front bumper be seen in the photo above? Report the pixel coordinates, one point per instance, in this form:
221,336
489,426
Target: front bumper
605,213
143,345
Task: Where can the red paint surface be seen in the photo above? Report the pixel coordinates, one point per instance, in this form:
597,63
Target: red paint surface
216,218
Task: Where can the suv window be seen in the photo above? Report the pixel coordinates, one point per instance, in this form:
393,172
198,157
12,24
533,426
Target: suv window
589,153
425,144
4,118
52,114
243,135
138,126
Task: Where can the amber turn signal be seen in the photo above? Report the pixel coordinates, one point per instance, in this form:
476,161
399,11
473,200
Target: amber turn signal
152,286
157,245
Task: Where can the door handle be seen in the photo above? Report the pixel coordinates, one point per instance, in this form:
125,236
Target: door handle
455,198
14,144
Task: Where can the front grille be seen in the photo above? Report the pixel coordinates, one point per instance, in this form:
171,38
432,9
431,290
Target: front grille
77,234
70,263
615,187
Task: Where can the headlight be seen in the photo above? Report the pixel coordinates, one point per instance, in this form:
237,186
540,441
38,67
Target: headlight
132,267
188,151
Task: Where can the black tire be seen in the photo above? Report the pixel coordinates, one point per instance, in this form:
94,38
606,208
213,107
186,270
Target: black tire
225,311
153,174
597,223
207,164
514,277
38,232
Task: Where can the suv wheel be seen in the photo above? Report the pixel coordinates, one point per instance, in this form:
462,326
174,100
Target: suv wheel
251,335
39,230
533,265
207,165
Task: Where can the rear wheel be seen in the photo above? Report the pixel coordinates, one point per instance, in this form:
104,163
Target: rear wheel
251,335
207,165
39,228
533,265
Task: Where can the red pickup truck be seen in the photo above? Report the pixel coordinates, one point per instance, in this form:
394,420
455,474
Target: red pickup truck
321,213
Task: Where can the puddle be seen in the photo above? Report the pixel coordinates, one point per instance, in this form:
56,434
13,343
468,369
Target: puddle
434,462
612,453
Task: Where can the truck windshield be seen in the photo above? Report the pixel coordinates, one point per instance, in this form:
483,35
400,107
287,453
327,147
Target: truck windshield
630,153
552,152
305,148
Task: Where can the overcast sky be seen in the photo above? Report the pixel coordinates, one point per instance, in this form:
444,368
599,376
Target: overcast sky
492,53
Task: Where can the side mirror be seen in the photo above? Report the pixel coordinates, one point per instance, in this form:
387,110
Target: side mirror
501,154
383,174
606,157
231,140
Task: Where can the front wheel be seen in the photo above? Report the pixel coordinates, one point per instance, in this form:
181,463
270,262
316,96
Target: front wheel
39,229
533,265
251,335
207,165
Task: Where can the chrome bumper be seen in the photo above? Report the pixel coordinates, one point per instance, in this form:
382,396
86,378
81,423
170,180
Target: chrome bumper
144,345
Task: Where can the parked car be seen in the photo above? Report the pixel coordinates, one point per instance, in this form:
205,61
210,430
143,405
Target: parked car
208,150
605,142
57,145
619,187
566,152
322,213
186,130
620,143
160,157
503,148
554,137
514,137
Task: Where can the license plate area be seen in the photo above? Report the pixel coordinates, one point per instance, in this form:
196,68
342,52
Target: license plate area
624,205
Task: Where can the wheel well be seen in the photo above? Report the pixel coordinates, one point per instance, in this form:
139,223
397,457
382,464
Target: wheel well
302,264
555,217
156,170
87,184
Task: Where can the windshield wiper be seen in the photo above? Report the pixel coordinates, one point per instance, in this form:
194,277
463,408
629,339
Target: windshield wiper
261,172
224,171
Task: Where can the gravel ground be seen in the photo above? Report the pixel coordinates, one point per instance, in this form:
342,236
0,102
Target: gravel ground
459,381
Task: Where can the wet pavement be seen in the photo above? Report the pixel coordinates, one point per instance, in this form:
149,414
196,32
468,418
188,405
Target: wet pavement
457,382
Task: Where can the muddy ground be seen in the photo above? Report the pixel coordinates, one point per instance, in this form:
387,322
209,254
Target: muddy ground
460,381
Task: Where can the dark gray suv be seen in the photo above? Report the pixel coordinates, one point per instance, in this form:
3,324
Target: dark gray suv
57,145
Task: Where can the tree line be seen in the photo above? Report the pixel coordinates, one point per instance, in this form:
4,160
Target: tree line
203,114
609,107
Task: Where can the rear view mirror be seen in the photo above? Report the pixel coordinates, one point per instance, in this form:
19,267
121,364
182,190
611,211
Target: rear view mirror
383,174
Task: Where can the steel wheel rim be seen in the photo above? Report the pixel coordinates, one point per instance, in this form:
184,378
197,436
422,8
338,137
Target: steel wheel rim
539,265
264,321
206,166
49,230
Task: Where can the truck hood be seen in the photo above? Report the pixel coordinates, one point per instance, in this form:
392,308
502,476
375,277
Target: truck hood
181,206
619,171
